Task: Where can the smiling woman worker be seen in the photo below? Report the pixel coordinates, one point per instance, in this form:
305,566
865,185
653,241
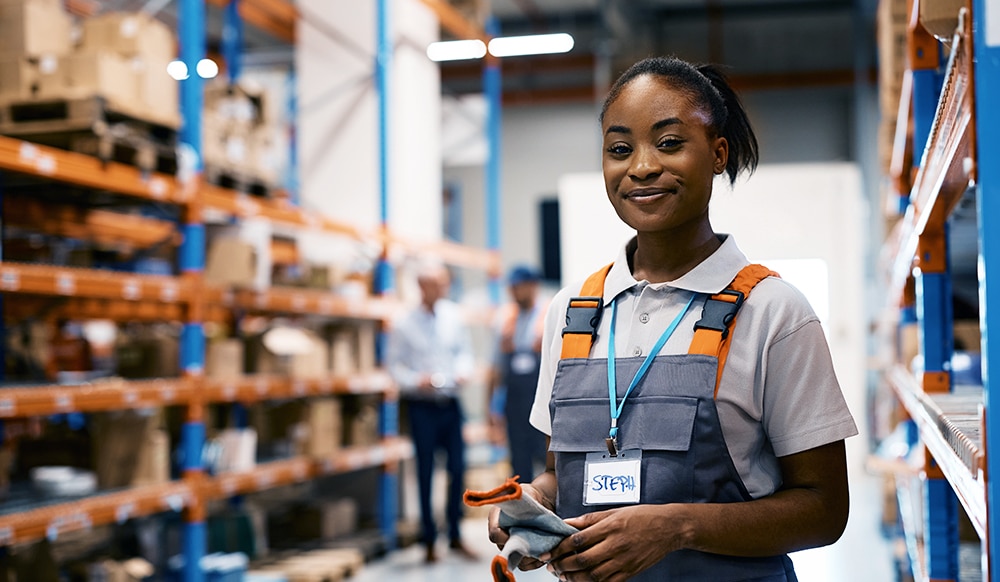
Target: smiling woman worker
723,458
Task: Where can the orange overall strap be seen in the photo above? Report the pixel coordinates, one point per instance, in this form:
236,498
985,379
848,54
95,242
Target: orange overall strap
711,333
583,313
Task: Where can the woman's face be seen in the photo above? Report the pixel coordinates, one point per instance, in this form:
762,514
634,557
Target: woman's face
660,157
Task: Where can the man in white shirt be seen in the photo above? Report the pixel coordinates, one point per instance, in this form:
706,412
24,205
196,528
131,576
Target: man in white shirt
430,357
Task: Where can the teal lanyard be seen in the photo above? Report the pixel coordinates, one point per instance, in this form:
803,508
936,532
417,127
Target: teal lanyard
616,410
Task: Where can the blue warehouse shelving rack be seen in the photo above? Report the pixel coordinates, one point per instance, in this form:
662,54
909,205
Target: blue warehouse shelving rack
185,298
946,161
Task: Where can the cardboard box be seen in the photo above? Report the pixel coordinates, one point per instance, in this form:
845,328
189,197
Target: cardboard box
119,441
102,74
940,17
159,93
344,351
35,28
153,465
325,425
129,35
231,262
256,233
292,352
19,77
224,359
237,450
148,353
133,570
367,338
326,519
363,424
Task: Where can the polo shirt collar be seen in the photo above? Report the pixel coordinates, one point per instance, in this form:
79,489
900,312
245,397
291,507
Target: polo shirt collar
710,276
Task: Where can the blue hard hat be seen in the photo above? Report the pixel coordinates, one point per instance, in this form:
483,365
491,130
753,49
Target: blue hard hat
523,274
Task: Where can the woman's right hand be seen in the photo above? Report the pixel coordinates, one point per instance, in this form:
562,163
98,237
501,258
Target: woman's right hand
499,536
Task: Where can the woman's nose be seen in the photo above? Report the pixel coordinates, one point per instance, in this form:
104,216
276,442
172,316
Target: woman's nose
645,165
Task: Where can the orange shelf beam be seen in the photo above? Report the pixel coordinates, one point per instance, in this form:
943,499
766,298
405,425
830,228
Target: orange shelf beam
82,170
275,17
247,206
310,301
943,176
963,465
105,395
252,388
298,469
75,282
83,514
450,252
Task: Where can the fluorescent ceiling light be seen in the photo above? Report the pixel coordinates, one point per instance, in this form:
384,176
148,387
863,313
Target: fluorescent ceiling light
207,69
456,50
538,44
177,70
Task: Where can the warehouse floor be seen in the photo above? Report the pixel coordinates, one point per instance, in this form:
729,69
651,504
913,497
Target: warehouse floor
862,555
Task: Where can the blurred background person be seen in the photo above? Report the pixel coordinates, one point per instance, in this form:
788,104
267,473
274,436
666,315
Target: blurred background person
516,373
430,357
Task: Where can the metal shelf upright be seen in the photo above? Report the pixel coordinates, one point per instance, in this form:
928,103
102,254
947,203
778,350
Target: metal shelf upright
986,47
192,41
953,125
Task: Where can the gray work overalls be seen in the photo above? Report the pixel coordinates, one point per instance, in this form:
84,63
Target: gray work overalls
671,416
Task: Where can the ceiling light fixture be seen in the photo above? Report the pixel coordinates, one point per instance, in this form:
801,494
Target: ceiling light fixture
456,50
536,44
177,70
504,46
207,69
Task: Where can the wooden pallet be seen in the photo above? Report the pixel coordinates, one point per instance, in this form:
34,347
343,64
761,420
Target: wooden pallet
234,179
315,566
92,126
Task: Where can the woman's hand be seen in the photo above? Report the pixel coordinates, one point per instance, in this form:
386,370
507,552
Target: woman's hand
615,544
499,536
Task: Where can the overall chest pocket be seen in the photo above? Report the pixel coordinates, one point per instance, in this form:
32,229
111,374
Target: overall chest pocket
652,423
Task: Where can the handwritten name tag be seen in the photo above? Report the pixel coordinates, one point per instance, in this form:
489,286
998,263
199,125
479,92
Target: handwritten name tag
612,480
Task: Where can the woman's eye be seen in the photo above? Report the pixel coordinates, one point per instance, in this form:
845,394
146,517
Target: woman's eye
619,149
670,143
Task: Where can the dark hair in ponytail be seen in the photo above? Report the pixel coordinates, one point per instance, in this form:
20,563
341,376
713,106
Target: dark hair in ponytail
708,88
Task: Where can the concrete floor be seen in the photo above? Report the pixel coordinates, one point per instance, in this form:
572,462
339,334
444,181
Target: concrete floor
863,554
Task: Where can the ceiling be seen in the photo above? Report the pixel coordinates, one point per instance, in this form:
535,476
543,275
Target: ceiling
767,44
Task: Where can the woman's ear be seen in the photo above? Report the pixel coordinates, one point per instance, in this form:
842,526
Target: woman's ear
721,150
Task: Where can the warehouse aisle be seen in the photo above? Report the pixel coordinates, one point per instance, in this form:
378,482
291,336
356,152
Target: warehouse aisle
862,555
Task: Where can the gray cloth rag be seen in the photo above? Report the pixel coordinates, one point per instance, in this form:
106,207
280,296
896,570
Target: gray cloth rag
534,529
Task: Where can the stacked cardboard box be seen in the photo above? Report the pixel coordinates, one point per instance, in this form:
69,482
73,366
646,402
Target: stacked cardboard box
290,351
238,136
130,449
940,17
324,422
34,34
116,41
121,57
891,28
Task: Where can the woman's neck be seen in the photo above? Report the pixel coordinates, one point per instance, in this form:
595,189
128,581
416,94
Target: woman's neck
658,258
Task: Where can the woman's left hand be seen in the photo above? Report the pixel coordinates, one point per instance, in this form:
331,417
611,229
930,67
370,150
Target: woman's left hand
615,544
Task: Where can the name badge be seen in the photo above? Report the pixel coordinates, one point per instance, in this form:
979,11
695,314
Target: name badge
612,480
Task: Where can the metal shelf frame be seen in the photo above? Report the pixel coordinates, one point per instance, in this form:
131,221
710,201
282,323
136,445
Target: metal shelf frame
185,298
946,115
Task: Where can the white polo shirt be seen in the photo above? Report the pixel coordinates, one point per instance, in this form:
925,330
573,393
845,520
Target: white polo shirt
778,395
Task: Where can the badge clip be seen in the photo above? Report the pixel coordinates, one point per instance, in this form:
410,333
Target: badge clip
612,446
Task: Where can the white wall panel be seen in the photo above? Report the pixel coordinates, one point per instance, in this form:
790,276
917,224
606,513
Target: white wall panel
338,116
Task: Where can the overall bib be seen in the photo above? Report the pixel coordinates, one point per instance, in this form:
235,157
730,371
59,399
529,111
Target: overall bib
672,418
520,348
527,444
